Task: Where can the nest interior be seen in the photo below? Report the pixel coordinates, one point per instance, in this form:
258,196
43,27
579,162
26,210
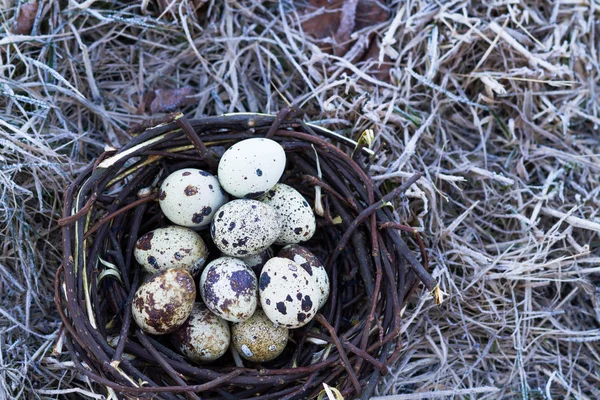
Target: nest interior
372,269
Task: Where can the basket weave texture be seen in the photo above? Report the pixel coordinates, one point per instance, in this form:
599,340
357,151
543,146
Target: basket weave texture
372,270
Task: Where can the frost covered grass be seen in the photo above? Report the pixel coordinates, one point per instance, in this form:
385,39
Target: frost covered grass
497,104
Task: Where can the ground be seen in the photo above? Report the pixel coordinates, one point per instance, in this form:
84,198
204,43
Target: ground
497,103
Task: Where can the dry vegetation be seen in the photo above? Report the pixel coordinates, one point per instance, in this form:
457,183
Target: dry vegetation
497,103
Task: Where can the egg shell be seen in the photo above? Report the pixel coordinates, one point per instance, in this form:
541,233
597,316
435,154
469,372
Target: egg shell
288,294
296,218
258,339
244,227
307,260
162,304
203,337
251,167
171,247
229,289
257,261
190,197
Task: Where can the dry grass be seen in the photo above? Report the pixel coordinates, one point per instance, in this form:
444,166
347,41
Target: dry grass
498,104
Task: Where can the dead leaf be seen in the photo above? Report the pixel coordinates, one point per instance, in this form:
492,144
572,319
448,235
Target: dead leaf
332,22
25,19
336,20
369,13
381,72
347,24
168,9
325,23
167,100
147,99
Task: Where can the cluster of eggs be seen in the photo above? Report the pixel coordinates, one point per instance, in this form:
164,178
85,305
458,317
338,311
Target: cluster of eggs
259,295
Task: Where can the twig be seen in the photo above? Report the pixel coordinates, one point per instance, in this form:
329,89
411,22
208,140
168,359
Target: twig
344,357
206,155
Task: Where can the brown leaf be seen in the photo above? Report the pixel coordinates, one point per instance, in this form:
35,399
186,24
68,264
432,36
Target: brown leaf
167,100
381,72
25,18
347,24
325,24
147,99
369,13
334,20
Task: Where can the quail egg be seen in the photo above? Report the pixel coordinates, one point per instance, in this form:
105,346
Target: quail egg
203,337
162,304
258,339
251,167
189,197
257,261
307,260
244,227
171,247
295,215
228,288
288,294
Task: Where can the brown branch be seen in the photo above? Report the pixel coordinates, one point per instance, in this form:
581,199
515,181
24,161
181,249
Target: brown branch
189,131
84,210
112,215
321,319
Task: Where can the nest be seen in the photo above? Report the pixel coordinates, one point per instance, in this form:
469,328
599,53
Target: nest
372,269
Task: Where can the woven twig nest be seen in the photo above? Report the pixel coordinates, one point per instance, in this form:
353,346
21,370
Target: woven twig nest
349,345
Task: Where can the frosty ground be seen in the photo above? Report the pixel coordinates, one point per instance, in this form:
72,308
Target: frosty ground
497,104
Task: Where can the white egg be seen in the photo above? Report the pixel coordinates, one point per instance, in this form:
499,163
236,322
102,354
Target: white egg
203,337
307,260
258,338
190,197
162,304
288,294
295,215
251,167
228,288
244,227
171,247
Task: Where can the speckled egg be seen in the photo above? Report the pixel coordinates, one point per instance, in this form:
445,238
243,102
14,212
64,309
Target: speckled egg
307,260
203,337
162,304
251,167
295,215
171,247
288,294
228,288
258,339
244,227
257,261
190,197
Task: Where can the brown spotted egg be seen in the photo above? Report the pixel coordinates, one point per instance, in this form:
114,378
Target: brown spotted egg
307,260
244,227
203,337
189,197
251,167
258,339
288,294
257,261
229,289
171,247
296,218
162,304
